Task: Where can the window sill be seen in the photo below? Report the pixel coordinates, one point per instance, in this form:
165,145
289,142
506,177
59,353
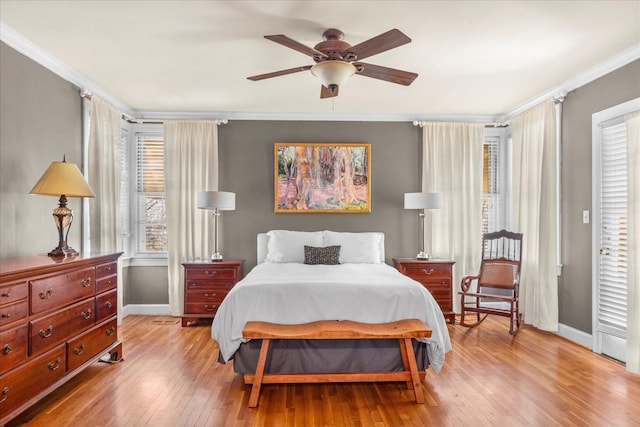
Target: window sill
145,261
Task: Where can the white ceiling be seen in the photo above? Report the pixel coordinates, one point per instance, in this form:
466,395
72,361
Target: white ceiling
474,58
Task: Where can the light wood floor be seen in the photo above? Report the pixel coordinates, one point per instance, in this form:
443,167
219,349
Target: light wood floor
170,377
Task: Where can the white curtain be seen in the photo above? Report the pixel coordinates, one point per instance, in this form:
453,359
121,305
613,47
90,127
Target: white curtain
104,171
452,165
190,165
534,200
633,269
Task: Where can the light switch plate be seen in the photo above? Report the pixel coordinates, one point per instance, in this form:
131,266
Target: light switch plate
585,217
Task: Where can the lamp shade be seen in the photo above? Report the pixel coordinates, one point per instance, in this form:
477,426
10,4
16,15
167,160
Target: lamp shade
332,72
62,178
221,200
423,201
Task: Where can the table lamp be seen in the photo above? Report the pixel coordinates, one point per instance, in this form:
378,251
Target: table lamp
423,201
216,201
63,180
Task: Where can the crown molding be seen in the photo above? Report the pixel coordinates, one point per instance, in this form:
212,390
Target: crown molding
617,61
34,52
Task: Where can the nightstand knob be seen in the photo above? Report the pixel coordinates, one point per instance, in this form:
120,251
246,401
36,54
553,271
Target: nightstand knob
210,307
210,295
424,271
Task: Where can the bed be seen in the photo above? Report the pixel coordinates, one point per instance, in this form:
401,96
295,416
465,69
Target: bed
281,288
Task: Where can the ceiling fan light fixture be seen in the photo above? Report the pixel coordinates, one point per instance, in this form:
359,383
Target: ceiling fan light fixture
333,73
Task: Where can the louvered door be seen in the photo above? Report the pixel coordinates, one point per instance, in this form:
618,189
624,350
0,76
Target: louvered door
611,291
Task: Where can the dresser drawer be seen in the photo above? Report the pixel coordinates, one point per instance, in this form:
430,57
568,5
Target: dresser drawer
13,293
205,285
427,272
106,305
212,273
14,347
55,291
56,328
106,283
201,308
11,312
20,385
104,270
91,343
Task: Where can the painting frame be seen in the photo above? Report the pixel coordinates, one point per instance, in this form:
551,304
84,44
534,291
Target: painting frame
327,177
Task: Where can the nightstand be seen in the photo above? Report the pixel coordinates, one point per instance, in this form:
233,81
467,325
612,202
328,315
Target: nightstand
435,275
205,286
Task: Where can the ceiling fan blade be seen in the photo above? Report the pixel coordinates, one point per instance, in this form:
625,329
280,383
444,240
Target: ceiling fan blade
383,73
327,93
295,45
280,73
383,42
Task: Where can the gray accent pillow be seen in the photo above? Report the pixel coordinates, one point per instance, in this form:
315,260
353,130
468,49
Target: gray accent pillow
327,255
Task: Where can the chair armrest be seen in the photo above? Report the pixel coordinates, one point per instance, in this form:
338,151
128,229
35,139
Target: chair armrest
465,284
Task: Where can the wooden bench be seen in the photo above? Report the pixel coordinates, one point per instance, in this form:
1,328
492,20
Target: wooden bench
403,330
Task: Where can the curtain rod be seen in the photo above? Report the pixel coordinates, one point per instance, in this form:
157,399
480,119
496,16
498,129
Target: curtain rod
88,95
420,123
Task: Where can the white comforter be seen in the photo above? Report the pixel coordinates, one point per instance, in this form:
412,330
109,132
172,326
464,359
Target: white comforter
297,293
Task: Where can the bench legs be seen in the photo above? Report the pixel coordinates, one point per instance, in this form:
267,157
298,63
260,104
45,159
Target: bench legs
410,374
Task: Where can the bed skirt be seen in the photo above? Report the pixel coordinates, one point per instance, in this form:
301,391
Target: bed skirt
345,355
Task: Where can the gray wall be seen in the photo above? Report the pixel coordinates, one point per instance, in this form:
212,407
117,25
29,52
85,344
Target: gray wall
40,121
575,284
246,168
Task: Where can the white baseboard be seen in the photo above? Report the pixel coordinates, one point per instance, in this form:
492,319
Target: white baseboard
146,309
576,335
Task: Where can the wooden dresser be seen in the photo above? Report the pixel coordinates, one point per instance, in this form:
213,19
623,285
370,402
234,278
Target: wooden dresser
436,276
205,286
57,316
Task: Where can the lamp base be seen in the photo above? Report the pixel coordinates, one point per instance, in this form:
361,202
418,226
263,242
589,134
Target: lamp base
217,257
60,252
422,256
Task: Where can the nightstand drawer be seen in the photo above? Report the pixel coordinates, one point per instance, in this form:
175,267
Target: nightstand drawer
208,296
436,283
201,308
202,285
421,272
211,273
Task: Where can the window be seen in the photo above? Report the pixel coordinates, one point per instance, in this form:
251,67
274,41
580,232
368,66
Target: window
495,181
150,217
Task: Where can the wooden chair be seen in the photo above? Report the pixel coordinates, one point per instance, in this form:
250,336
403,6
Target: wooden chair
498,281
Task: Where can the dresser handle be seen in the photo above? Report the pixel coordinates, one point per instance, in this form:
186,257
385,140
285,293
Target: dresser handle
210,308
108,268
108,304
47,333
86,315
78,350
210,273
5,392
46,295
424,271
86,282
5,294
54,365
110,331
107,283
6,349
5,315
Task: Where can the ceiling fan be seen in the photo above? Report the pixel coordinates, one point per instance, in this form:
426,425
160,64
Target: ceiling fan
336,60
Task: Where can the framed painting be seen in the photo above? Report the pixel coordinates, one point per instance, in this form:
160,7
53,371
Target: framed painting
322,178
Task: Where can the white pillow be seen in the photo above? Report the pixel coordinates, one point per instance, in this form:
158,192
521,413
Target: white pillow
288,246
356,247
